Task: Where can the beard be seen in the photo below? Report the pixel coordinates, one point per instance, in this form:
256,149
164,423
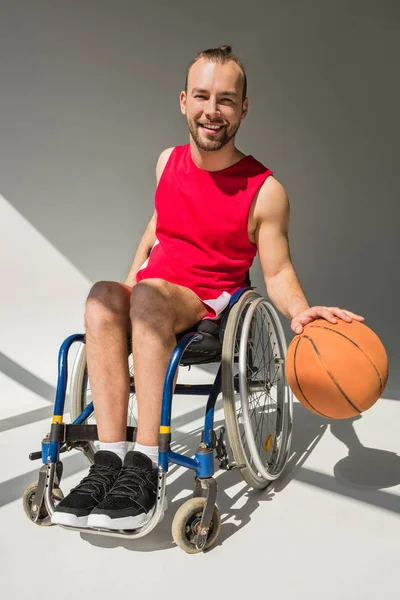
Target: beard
212,142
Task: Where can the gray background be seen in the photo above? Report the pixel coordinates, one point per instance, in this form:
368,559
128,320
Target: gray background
89,98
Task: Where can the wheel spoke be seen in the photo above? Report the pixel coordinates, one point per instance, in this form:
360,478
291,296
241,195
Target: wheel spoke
261,390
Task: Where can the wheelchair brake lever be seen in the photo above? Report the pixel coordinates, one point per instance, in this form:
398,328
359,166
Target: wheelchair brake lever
35,455
219,445
233,465
38,455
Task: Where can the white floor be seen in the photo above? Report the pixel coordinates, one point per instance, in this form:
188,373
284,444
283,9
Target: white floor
329,529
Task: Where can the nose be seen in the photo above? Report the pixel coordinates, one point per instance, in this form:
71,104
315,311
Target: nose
211,109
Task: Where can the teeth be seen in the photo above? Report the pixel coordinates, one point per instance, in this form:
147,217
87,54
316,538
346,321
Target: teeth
212,126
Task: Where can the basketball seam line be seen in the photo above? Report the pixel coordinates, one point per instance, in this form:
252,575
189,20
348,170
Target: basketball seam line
356,345
330,374
299,386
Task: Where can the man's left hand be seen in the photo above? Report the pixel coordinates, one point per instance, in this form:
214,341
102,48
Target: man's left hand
322,312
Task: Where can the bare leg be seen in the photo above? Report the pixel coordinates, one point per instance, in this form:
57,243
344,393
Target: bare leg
107,326
159,311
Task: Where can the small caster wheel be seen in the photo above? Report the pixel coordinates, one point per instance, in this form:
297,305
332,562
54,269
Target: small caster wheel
31,509
186,523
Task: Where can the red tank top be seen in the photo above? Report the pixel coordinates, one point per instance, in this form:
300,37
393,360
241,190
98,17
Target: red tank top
202,226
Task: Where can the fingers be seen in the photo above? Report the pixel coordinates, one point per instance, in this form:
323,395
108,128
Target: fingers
345,315
354,316
329,313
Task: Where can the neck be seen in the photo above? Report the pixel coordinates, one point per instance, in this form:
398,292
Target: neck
215,160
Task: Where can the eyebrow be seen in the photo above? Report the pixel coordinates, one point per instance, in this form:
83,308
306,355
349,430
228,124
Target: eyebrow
202,91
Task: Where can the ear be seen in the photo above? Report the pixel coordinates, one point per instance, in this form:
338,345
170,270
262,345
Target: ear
182,101
245,108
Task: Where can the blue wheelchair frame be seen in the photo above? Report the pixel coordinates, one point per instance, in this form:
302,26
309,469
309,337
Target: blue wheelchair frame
202,464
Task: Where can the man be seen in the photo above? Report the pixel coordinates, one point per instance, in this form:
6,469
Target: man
215,207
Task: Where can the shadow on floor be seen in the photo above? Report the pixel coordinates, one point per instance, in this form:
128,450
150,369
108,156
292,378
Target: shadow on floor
360,476
236,507
364,468
160,538
26,378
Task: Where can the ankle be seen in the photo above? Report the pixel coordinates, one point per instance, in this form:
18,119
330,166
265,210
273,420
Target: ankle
150,451
119,448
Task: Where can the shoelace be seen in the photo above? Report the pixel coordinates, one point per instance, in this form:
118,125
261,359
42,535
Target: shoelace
131,480
98,479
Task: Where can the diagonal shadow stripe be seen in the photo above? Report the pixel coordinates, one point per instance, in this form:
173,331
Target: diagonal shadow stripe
328,483
46,412
32,416
13,489
26,378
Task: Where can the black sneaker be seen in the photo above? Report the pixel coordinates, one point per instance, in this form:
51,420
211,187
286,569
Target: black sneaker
131,501
74,510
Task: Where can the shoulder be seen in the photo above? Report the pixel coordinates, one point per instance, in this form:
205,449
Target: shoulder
162,161
272,202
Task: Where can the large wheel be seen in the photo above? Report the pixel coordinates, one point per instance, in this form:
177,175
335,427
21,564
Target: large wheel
257,400
80,395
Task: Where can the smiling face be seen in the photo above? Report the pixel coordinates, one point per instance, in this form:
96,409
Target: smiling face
213,103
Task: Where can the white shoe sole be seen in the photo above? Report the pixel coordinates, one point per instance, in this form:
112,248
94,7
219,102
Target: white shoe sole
105,522
97,521
61,518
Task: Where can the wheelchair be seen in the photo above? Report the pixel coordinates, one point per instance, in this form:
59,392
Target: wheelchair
249,345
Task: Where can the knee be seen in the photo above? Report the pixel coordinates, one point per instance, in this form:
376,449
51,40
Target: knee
105,299
150,304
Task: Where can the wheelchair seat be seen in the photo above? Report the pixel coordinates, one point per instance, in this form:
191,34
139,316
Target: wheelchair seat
209,349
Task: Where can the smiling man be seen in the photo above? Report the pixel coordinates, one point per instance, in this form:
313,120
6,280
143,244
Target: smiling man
215,207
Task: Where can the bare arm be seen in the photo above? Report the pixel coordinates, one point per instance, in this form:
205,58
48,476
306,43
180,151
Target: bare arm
145,245
149,237
272,212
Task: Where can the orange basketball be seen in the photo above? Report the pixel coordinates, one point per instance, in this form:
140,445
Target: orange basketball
337,370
